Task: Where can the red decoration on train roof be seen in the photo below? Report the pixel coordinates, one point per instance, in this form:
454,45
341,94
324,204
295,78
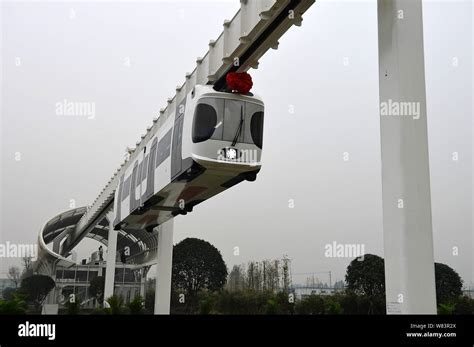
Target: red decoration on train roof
239,82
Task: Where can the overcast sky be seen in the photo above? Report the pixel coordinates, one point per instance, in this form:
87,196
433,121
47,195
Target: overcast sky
127,58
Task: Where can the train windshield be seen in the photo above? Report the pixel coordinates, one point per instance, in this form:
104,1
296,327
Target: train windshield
229,120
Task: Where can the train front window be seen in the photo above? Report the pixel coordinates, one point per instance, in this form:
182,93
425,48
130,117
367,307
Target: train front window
230,120
204,122
256,128
233,110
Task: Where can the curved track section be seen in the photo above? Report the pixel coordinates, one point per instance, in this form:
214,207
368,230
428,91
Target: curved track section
141,245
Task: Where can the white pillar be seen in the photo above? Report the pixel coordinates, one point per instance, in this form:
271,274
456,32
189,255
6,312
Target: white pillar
408,238
143,273
164,264
111,259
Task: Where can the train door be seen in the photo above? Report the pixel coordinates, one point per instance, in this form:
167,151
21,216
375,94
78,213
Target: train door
176,156
135,184
118,202
134,202
150,171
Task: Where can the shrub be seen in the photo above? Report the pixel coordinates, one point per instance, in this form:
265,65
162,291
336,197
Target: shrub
313,304
464,305
115,305
72,308
248,302
332,305
136,305
446,308
15,306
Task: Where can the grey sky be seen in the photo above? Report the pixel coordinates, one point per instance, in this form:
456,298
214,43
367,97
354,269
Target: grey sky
335,110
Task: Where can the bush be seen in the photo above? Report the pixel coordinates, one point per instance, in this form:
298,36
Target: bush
136,305
360,304
313,304
284,304
72,308
15,306
271,307
332,305
207,302
464,305
8,293
115,305
99,311
446,308
243,302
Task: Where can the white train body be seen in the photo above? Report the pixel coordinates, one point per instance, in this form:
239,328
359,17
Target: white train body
211,142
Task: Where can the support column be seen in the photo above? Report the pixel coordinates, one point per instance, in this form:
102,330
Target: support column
111,259
164,264
143,273
408,237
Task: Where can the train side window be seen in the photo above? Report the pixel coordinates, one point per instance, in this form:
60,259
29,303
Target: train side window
126,188
204,122
164,148
139,174
145,166
256,129
133,187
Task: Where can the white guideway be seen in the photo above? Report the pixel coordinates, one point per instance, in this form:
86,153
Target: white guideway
37,330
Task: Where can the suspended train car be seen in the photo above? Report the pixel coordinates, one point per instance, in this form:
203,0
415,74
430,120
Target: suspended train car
212,142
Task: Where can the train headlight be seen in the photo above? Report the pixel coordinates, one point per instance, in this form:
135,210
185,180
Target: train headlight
231,153
228,153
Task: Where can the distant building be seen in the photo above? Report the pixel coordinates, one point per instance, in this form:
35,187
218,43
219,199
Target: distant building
302,292
129,282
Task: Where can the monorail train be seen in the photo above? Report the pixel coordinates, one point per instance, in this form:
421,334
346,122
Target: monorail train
210,143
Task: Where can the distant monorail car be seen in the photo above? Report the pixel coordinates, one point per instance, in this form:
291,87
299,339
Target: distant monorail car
212,142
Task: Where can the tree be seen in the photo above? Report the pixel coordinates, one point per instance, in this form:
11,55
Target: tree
448,284
236,279
96,288
367,276
197,265
27,266
9,293
286,274
14,275
36,288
